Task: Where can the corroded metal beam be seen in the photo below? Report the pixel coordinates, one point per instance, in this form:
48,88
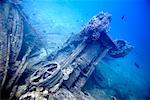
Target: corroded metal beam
11,34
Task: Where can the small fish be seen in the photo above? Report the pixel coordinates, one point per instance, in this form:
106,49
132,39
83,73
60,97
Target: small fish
77,20
118,64
44,31
122,17
137,65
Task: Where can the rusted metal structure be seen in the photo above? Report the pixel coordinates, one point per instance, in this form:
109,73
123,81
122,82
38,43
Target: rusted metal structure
66,70
75,62
11,34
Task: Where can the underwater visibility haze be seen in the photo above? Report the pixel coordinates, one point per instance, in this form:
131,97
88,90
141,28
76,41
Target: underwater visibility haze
74,49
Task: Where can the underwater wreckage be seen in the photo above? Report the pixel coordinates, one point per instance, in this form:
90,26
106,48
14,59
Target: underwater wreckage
62,75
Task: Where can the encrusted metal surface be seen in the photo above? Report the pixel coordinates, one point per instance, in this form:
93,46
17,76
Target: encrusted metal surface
81,54
11,34
123,48
64,73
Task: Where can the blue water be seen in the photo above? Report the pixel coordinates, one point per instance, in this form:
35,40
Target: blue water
55,20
